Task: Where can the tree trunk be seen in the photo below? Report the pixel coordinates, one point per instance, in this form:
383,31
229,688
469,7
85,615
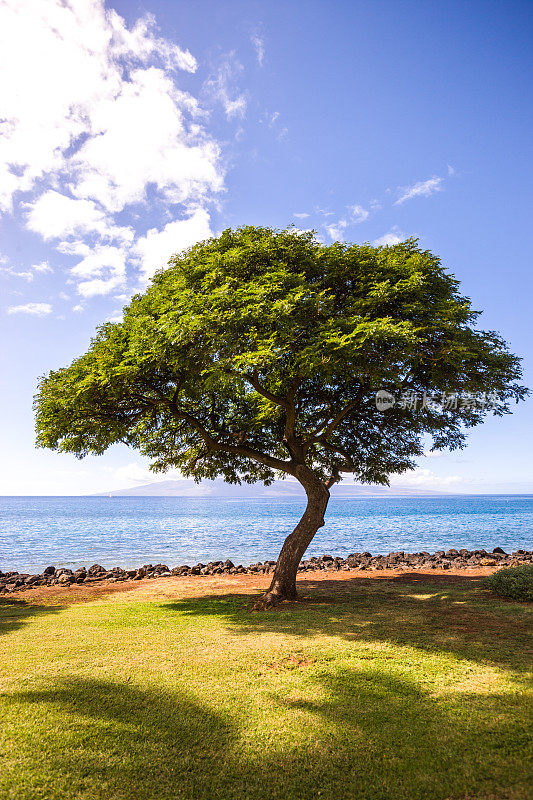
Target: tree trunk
283,586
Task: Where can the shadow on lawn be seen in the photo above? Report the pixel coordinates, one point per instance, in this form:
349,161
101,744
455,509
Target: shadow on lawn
14,614
356,734
429,613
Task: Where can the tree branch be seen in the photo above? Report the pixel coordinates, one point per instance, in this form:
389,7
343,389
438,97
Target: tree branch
253,380
337,419
242,450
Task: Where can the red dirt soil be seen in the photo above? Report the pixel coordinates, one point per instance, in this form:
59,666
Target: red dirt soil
238,584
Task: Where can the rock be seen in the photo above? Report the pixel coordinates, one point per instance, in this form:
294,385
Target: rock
499,550
95,569
49,571
488,562
65,579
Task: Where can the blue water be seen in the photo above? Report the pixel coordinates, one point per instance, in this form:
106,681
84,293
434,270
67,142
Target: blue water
130,531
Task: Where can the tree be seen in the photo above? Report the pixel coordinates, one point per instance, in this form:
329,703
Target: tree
259,354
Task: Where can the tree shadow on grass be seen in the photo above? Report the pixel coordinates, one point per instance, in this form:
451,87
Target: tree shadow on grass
14,614
426,613
345,733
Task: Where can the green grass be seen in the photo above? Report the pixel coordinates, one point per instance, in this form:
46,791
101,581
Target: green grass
383,689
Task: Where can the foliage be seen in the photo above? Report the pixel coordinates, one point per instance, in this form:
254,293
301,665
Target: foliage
516,583
262,350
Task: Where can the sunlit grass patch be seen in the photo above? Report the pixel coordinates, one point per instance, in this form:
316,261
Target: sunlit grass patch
377,694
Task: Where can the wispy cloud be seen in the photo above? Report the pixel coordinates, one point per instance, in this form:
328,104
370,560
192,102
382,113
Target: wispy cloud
335,230
41,267
358,213
259,47
220,87
426,479
420,189
273,120
26,274
393,236
301,214
34,309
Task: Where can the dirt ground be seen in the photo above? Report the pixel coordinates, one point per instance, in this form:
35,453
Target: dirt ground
240,584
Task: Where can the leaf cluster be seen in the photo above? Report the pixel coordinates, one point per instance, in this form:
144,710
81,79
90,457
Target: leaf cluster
260,352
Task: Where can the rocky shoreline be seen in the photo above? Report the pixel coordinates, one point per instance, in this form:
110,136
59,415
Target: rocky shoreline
456,559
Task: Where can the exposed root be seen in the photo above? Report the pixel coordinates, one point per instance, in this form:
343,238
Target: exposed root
269,600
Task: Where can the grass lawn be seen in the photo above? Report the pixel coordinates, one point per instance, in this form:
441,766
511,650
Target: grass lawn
413,687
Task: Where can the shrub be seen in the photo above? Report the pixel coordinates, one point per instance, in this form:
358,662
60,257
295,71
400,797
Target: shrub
514,582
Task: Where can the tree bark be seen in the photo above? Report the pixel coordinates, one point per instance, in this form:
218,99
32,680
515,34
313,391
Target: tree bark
283,585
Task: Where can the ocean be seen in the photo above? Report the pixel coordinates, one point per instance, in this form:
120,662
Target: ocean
36,532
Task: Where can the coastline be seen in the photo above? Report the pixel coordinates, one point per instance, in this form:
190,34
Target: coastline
449,562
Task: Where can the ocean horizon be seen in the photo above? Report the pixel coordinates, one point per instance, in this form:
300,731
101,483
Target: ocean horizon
73,531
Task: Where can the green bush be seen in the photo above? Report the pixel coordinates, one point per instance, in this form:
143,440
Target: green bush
514,582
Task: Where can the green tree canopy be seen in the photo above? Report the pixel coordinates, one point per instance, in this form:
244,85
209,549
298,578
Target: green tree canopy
259,353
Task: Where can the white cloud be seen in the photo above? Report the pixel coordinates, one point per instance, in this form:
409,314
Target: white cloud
394,236
273,120
35,309
220,87
55,216
25,274
420,189
335,230
358,213
301,215
101,271
259,46
97,127
83,52
77,309
426,479
155,249
140,140
135,473
43,266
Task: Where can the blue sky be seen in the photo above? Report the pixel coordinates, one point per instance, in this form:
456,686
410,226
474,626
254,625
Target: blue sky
131,130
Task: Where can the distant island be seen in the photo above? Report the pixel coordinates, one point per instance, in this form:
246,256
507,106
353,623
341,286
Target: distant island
279,489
